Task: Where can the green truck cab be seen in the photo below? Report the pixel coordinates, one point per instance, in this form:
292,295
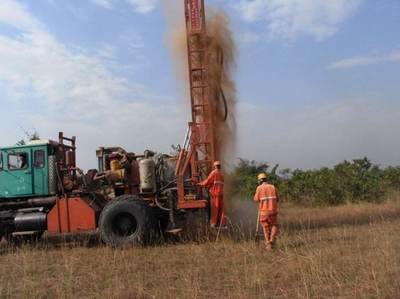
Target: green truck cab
27,170
32,178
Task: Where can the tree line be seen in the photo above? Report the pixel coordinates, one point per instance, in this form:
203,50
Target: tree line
349,181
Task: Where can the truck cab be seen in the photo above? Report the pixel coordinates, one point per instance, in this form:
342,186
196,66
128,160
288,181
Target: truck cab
25,171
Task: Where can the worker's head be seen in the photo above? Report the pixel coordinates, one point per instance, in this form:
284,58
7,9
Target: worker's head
217,164
262,177
22,161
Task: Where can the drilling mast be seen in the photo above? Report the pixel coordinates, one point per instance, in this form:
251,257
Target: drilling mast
199,148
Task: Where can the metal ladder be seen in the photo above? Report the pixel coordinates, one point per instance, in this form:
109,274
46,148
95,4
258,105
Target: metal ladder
203,118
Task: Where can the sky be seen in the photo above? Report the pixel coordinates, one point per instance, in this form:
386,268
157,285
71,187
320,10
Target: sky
317,81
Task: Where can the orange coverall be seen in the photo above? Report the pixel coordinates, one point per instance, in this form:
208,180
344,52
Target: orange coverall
215,184
267,197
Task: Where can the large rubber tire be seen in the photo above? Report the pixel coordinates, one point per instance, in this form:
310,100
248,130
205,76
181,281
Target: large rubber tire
127,220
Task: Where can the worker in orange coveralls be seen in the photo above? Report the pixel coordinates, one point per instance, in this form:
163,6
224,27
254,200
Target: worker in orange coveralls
215,184
267,198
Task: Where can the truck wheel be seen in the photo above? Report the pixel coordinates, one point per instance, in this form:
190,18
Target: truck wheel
127,221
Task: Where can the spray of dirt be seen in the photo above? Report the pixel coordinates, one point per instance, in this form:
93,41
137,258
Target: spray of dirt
220,60
242,218
175,40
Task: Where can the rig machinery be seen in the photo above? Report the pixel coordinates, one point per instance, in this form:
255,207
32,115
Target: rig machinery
130,198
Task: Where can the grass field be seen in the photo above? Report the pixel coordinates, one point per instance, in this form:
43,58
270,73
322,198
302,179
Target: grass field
344,252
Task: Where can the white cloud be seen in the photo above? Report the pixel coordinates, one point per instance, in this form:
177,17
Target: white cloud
14,14
365,60
49,86
139,6
108,52
250,37
104,3
289,19
143,6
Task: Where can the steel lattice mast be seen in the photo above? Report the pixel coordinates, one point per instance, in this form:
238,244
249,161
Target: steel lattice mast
199,149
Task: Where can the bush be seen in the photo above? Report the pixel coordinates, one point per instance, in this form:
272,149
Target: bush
355,181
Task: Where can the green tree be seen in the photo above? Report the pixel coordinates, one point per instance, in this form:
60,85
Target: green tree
348,181
28,137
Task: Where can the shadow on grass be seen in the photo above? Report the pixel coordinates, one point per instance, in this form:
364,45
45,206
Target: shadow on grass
92,240
53,242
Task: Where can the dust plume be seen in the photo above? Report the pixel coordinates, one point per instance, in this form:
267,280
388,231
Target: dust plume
220,61
242,218
175,40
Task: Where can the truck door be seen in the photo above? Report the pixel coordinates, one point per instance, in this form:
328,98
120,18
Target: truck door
18,173
40,174
2,177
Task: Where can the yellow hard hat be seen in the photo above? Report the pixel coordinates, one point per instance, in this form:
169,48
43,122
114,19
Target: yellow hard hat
217,163
262,176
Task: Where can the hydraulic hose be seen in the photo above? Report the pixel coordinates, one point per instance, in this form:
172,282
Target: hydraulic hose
221,95
225,115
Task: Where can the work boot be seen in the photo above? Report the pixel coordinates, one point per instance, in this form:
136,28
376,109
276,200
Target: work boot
213,225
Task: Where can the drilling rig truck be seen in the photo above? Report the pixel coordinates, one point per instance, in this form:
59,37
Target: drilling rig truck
131,198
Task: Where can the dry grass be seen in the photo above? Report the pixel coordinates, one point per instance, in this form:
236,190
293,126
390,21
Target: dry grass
320,255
